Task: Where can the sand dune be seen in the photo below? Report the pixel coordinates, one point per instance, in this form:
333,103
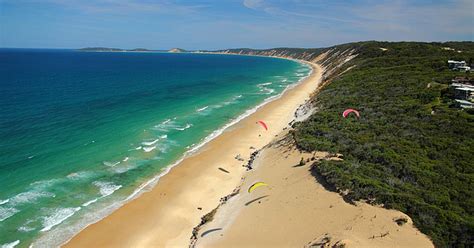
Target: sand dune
297,211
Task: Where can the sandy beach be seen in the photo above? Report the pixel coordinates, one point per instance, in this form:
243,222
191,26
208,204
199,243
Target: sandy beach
294,210
166,215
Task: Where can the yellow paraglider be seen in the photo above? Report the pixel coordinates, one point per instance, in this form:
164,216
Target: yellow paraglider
256,185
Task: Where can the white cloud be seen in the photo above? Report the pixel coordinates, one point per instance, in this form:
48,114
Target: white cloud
253,4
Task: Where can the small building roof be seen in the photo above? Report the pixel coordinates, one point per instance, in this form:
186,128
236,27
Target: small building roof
464,102
465,89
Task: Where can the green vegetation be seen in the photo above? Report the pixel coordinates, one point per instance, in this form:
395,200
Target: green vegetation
410,150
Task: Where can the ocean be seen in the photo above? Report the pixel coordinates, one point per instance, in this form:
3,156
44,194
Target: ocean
83,132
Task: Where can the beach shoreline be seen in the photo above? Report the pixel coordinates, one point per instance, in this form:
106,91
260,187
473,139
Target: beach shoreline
284,106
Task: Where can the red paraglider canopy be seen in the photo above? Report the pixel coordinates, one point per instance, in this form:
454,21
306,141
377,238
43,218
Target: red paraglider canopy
263,124
348,111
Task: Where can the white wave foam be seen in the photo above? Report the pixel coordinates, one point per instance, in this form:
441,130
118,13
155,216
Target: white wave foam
42,184
4,201
266,90
125,159
166,121
122,169
149,149
106,188
10,245
111,164
185,127
264,84
6,213
150,143
165,126
233,100
25,227
80,175
138,148
29,196
59,215
202,109
90,202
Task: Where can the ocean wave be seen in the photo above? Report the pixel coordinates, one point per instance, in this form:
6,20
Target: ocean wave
10,245
125,159
122,169
185,127
111,164
149,148
57,217
202,109
265,90
106,188
6,213
90,202
233,100
264,84
4,201
150,143
29,197
80,175
165,126
42,184
25,227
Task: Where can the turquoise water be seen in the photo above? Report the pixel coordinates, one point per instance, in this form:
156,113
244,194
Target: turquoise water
82,132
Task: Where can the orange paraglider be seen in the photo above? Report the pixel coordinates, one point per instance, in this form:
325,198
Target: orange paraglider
348,111
264,125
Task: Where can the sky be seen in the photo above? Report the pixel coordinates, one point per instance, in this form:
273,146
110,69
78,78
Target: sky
220,24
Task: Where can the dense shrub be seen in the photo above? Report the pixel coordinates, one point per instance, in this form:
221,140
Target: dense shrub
410,150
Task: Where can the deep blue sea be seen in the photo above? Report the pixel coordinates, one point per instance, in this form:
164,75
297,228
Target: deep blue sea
82,132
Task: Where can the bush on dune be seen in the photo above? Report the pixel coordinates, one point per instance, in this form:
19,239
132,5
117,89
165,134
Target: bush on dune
410,150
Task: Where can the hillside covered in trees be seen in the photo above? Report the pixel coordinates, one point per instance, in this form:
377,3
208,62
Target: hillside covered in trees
411,149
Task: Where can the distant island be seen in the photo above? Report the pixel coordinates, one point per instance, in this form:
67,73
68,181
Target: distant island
177,50
108,49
